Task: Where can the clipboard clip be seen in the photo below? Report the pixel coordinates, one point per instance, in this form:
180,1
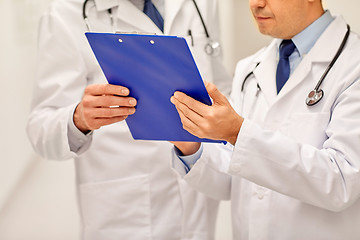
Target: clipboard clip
135,32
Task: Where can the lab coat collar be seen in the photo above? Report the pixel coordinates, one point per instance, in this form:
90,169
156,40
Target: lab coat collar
102,5
172,8
332,37
128,12
265,72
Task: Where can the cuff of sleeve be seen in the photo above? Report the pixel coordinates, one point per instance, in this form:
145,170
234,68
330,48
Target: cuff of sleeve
189,160
243,133
179,166
77,139
241,147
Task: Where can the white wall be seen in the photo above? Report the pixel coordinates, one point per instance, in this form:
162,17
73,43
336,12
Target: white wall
37,197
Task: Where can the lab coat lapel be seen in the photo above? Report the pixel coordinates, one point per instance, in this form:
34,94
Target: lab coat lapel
102,5
331,38
129,13
172,8
266,71
297,77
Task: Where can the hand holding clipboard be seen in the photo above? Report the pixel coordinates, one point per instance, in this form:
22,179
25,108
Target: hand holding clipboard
152,68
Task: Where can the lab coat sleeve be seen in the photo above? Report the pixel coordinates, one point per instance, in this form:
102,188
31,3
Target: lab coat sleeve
327,178
76,137
209,174
61,79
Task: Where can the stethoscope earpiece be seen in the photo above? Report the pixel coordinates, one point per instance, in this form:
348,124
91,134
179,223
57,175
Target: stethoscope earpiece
314,97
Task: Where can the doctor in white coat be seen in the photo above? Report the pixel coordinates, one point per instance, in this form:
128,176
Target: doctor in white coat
126,188
292,171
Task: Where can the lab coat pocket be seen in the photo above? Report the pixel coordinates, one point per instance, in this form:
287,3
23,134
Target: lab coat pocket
116,209
309,128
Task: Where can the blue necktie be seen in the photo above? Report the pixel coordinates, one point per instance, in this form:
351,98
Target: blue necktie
287,47
151,11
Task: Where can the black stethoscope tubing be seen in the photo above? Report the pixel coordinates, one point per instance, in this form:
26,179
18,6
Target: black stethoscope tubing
316,94
247,77
85,17
202,19
341,48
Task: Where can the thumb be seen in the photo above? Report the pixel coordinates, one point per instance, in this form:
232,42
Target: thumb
215,94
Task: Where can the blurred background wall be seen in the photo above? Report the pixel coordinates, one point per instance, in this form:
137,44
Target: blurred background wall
37,197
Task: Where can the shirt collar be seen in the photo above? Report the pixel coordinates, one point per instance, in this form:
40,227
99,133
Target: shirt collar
306,39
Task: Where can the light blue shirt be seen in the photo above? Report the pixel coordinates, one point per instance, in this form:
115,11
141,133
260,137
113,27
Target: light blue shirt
189,160
304,41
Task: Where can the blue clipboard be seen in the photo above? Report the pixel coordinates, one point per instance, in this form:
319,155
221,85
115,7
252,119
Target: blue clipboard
153,68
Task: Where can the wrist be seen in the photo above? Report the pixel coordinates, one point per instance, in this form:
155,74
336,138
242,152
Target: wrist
187,148
235,130
78,122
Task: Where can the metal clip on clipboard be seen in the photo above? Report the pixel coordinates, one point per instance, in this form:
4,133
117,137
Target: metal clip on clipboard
135,32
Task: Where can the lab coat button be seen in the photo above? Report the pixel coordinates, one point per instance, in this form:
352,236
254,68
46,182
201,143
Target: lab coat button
235,167
260,195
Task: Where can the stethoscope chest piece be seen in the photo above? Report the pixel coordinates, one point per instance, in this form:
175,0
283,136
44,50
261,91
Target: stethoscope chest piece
213,48
314,97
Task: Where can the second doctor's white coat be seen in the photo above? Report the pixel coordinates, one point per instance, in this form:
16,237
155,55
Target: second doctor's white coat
126,188
294,172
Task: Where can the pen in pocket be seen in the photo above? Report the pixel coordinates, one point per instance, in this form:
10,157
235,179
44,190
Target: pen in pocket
192,39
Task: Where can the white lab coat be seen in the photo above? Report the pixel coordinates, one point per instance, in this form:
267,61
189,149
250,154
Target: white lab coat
126,188
295,170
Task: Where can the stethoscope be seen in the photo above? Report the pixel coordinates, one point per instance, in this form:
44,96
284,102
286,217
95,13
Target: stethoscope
317,93
86,19
212,48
